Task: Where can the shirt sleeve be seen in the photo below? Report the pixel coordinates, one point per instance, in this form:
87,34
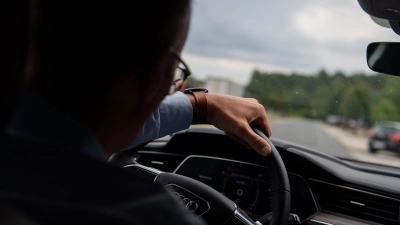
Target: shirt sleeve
175,113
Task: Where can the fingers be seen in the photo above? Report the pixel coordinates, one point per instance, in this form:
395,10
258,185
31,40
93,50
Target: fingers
263,124
246,136
256,142
252,100
235,115
261,121
268,127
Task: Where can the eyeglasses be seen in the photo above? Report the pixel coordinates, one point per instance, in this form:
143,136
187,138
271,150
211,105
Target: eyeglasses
181,73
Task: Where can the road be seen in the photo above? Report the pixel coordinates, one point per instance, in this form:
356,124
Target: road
330,140
308,134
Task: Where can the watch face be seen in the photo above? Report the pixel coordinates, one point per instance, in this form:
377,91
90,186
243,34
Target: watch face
190,90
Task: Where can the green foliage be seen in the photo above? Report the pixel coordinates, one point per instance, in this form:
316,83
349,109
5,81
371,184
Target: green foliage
385,109
355,96
356,101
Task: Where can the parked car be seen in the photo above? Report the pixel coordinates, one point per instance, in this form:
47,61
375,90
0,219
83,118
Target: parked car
385,136
333,120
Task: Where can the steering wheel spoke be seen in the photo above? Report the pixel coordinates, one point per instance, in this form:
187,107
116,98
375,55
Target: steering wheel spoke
143,170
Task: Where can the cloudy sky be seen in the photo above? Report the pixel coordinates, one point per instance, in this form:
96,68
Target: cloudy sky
230,38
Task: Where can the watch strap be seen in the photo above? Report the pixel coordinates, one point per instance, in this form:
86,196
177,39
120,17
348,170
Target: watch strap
200,104
200,107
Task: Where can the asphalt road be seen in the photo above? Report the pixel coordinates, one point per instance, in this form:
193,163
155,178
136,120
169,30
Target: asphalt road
308,134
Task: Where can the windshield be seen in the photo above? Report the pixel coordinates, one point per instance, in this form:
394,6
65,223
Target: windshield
305,61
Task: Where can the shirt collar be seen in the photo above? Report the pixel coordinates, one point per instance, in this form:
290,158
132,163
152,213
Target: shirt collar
39,121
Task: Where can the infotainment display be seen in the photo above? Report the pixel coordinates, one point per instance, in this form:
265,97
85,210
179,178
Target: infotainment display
245,184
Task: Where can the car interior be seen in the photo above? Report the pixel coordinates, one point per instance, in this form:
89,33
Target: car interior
322,189
223,182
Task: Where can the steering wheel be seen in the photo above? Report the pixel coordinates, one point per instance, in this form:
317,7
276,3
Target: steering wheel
217,209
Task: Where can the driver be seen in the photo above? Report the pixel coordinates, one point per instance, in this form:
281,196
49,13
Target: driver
97,80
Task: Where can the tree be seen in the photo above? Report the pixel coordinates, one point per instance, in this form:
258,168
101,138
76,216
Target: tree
354,96
384,110
356,101
392,91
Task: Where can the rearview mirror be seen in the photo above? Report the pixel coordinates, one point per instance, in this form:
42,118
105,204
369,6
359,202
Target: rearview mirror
384,57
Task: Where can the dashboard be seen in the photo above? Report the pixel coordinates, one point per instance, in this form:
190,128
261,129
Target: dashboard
246,184
324,189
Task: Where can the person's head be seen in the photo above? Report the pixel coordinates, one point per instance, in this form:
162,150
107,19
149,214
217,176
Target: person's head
13,45
107,63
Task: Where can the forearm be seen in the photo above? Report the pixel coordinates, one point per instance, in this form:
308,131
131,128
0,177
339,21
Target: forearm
174,114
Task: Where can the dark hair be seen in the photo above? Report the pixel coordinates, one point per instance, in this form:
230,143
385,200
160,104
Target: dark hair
14,46
85,44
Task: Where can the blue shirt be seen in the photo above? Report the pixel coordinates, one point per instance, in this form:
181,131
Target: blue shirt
39,121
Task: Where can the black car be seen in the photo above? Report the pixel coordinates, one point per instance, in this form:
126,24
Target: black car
385,136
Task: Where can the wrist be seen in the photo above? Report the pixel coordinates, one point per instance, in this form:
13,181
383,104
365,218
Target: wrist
192,100
212,104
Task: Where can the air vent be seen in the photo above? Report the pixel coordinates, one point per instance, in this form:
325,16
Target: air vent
166,162
357,203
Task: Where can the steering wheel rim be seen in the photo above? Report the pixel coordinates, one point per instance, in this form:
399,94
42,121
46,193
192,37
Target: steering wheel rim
279,185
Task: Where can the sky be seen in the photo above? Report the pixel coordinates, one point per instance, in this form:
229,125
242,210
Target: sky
231,38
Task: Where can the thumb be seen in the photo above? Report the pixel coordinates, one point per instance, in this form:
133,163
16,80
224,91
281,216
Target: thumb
256,142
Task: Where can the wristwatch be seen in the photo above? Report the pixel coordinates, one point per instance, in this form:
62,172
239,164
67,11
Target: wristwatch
200,106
